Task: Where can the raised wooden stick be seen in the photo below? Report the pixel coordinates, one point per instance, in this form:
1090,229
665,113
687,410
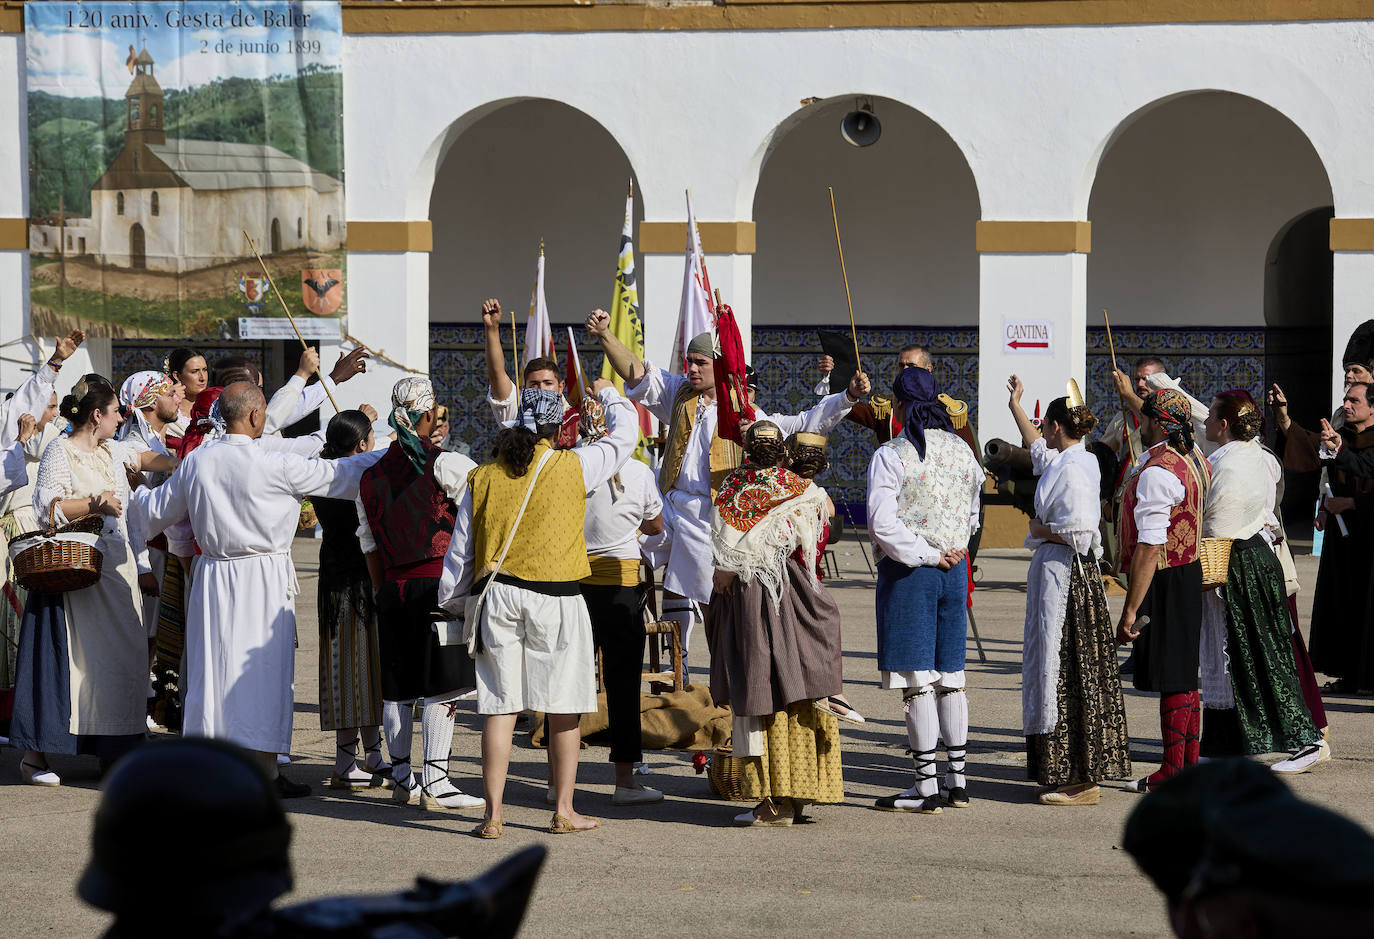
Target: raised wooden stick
845,274
1125,413
285,309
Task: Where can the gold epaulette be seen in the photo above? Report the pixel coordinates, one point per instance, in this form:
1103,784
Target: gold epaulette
957,410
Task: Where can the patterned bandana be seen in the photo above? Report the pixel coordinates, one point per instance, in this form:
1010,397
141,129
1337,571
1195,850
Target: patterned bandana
140,390
1170,410
539,407
410,399
592,427
915,387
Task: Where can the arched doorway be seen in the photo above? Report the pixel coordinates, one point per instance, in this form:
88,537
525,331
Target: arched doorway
522,172
276,236
138,247
907,207
1184,206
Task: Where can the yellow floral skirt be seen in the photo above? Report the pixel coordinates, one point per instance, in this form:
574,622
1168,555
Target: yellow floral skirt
801,759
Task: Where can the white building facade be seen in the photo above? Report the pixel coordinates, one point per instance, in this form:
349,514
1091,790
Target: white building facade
1037,164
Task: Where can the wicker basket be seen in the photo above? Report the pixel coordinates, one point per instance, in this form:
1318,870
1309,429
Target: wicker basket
57,564
723,775
1215,555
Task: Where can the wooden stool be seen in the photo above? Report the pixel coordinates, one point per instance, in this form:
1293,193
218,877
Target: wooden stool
654,674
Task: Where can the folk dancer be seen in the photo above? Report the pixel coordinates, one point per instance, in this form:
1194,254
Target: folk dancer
532,640
1072,709
1252,701
696,459
923,499
406,512
241,492
1161,520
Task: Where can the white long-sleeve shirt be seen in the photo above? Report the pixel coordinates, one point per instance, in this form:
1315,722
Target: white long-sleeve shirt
1155,497
294,401
886,479
32,397
600,461
657,390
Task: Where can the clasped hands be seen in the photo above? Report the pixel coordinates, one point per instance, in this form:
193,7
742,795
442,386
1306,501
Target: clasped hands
950,559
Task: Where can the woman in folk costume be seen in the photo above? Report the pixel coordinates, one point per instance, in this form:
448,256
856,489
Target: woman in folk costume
923,497
1161,523
405,513
1072,709
774,633
187,368
617,513
1251,696
82,677
519,548
350,669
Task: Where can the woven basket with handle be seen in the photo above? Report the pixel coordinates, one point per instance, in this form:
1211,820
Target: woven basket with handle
723,775
52,563
1215,555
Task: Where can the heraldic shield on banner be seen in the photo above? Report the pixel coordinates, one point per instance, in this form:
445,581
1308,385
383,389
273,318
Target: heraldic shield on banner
322,290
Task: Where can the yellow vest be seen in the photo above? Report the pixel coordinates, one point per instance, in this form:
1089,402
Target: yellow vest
549,544
726,455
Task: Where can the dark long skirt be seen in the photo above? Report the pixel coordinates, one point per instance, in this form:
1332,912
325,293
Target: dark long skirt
1269,714
1341,640
1167,650
42,688
762,658
350,660
413,663
1089,742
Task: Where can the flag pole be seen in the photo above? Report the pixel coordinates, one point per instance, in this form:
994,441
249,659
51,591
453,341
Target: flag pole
294,328
1125,416
845,274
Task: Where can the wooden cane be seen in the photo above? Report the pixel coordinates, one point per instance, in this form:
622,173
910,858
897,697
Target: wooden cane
845,274
318,371
1125,413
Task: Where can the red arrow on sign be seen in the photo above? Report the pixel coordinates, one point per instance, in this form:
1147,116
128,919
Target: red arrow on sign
1018,344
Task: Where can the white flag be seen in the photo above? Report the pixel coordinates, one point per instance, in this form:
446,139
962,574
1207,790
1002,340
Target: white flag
696,313
538,329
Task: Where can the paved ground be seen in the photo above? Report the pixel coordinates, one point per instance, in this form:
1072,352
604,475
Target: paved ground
1002,867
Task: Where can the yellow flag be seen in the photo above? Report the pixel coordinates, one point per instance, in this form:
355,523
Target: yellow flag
625,324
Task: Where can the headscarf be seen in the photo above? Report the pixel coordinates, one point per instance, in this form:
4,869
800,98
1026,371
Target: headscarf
592,427
539,407
1171,410
205,421
703,344
915,387
141,390
411,398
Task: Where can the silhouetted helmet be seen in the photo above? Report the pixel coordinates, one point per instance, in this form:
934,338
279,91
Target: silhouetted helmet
199,819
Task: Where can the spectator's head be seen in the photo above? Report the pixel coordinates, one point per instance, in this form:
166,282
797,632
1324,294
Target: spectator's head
1144,367
235,368
1233,416
1358,404
543,373
701,362
915,356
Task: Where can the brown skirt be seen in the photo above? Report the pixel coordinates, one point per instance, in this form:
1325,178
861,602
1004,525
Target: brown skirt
764,658
1089,742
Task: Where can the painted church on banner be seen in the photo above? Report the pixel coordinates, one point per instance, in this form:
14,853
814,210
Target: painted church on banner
180,205
1200,170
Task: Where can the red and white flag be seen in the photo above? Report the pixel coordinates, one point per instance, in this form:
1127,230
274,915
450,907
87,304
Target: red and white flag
575,386
696,314
538,330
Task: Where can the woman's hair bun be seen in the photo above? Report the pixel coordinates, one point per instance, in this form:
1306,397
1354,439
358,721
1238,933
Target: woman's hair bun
69,406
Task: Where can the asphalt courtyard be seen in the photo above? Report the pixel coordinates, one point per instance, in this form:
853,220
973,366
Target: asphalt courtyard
1004,866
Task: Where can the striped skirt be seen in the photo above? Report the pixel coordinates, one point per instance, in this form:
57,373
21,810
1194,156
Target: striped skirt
350,669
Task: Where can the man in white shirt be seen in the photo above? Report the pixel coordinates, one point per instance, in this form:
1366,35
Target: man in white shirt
923,498
696,459
540,372
242,495
618,512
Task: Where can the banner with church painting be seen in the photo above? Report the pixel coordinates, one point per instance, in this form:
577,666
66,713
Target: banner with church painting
159,133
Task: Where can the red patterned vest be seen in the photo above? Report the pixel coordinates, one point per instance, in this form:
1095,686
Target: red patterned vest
1185,519
410,515
567,430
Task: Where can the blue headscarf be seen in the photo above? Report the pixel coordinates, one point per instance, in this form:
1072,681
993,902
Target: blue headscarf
915,387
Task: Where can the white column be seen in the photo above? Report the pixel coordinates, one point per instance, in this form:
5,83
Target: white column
1013,288
1352,286
388,309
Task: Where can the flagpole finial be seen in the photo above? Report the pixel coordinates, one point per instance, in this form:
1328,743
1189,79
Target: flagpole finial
632,186
541,247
